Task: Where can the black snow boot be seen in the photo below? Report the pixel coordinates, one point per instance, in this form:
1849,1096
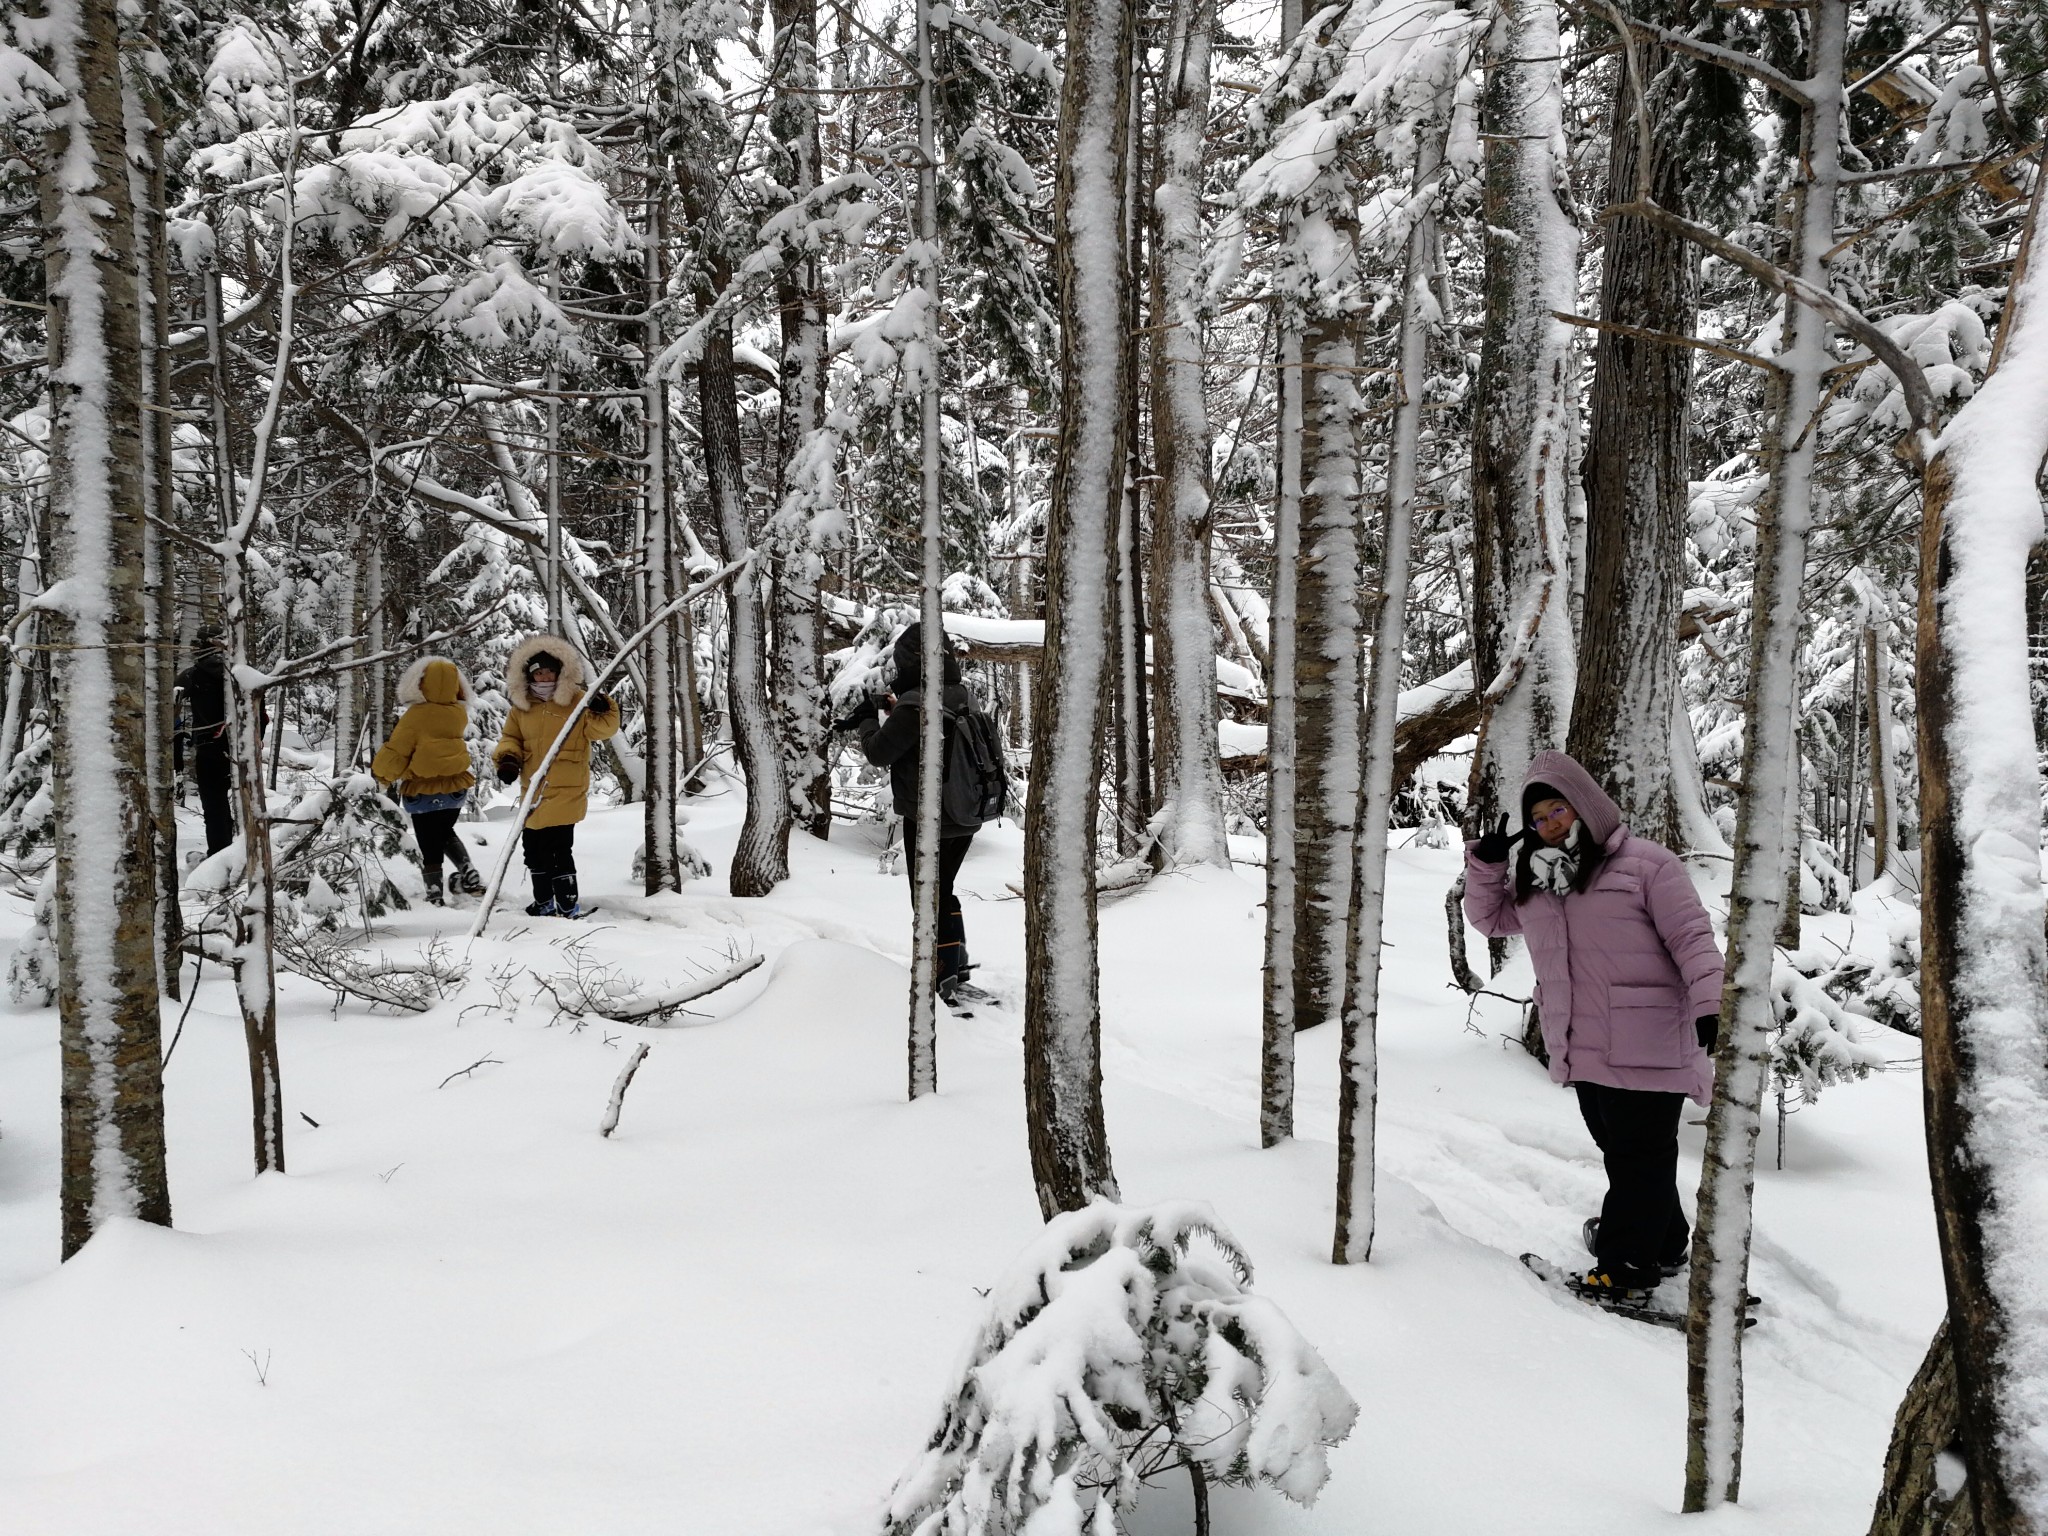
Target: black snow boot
468,881
434,896
543,894
565,897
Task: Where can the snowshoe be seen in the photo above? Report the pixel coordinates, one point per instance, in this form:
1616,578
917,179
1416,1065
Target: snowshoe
964,997
1596,1288
469,881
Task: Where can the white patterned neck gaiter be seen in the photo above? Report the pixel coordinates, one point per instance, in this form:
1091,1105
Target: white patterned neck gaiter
540,690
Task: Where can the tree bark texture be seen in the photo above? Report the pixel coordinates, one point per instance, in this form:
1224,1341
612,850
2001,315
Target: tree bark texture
106,927
1190,771
1327,670
799,699
1070,1161
761,861
1521,626
1636,475
1923,1493
1767,825
1984,966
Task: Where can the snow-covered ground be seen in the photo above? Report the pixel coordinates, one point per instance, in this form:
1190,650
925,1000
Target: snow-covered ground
464,1311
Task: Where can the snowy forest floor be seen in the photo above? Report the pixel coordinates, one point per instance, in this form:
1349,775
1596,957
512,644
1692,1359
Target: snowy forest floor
463,1311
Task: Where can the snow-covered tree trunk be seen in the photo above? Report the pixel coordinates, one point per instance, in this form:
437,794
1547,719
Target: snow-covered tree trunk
931,718
254,960
1134,800
761,860
1327,624
106,927
1984,973
800,703
1189,824
1767,827
1277,1020
160,577
1522,638
1358,1062
1070,1161
343,755
662,868
1636,474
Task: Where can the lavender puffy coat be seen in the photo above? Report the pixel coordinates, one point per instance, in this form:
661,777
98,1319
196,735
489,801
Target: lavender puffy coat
1624,967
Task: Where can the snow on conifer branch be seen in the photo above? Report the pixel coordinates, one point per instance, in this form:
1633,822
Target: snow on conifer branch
1123,1342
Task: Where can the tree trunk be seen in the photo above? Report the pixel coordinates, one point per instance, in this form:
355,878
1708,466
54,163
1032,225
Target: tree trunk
662,869
1925,1492
808,487
159,555
1984,973
1070,1161
1190,770
106,922
761,860
1636,475
1521,639
1283,914
1327,667
924,938
1358,1062
1767,829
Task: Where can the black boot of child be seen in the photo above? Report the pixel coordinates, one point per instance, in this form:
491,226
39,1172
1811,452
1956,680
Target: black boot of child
543,894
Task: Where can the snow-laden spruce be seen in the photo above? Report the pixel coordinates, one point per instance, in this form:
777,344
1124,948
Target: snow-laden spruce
1122,1345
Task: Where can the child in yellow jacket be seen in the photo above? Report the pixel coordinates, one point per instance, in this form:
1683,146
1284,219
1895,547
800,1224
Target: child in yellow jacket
429,761
543,680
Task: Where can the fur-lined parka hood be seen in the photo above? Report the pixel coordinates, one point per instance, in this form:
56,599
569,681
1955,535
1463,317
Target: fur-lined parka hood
567,690
434,680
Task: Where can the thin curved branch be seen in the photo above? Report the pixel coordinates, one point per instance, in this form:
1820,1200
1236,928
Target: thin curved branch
1920,404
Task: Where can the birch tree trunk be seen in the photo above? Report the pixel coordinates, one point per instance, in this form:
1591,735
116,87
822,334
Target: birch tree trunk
662,868
160,576
1070,1161
1522,639
1358,1062
809,467
1189,765
1767,826
1327,693
1636,475
1984,974
106,928
931,718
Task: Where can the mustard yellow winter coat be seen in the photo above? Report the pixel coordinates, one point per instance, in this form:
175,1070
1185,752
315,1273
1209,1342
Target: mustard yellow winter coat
532,725
426,754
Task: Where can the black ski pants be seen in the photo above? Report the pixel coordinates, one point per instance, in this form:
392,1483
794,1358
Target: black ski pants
435,832
549,850
952,924
215,775
1642,1224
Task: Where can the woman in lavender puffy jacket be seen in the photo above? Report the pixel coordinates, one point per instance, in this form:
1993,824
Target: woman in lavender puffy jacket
1628,990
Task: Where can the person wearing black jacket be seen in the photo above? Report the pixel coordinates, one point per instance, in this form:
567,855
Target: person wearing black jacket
205,686
892,743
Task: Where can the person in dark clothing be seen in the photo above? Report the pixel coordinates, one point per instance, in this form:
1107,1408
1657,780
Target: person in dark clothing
892,743
205,687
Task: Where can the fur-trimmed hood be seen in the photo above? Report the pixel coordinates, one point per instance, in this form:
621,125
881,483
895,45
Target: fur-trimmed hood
567,691
428,681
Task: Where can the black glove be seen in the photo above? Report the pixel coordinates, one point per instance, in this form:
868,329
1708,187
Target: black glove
508,769
1708,1028
1496,845
867,709
600,703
